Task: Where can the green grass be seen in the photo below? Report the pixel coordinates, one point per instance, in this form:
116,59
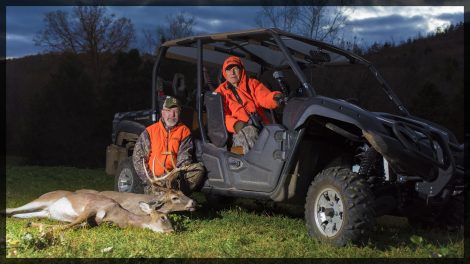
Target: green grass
246,229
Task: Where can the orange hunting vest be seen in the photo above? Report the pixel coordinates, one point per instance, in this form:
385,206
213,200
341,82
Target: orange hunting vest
164,146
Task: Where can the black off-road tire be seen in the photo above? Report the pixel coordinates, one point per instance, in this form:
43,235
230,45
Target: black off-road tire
126,179
352,211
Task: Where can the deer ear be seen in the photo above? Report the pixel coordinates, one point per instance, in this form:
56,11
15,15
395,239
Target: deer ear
145,207
156,204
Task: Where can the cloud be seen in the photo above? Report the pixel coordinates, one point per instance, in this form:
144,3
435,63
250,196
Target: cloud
371,23
16,49
453,18
22,23
362,12
208,18
398,25
18,38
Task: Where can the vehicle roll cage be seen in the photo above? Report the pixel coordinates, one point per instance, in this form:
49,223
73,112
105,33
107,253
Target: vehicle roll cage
264,37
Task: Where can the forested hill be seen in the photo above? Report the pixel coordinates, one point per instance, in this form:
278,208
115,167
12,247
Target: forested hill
428,76
58,114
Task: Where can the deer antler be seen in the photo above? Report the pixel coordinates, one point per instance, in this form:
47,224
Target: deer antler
153,169
173,177
159,163
170,175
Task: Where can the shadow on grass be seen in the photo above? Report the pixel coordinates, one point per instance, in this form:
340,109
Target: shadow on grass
391,231
270,208
388,236
180,220
204,210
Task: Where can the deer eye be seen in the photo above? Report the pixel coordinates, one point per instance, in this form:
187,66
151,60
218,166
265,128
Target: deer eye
163,218
174,198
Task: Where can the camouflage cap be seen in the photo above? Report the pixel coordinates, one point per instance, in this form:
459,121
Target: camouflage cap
170,102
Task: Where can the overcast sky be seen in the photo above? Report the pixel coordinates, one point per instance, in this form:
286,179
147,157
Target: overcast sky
367,24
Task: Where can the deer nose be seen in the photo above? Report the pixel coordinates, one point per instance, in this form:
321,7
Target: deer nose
168,231
191,205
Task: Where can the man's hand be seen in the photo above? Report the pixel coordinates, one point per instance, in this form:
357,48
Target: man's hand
239,125
279,98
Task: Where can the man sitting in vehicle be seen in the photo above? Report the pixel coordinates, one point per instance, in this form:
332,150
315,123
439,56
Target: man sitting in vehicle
165,145
244,99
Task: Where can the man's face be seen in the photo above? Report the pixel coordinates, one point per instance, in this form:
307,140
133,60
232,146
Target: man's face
233,75
171,116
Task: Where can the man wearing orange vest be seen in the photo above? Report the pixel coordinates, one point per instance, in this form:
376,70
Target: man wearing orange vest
252,95
164,145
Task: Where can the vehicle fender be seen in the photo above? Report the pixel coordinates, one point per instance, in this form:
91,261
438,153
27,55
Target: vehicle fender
127,130
298,110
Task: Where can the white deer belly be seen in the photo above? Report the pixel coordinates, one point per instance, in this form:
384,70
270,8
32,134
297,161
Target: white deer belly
62,210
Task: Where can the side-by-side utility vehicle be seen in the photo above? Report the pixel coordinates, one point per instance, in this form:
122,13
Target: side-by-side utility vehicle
346,164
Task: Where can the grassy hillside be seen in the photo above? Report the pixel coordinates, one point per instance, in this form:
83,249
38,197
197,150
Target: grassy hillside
428,76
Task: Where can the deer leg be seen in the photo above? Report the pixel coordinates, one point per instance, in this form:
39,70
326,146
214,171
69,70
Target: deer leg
27,208
80,219
40,214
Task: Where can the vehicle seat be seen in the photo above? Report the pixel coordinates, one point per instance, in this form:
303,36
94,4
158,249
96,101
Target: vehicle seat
220,77
209,84
179,86
216,131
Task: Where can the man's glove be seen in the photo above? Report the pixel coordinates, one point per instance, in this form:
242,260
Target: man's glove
239,125
279,98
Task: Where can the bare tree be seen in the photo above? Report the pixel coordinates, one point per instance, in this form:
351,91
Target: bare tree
149,42
88,30
176,26
283,17
319,22
179,26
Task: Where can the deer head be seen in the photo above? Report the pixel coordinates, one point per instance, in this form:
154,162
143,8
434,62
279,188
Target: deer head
159,222
170,200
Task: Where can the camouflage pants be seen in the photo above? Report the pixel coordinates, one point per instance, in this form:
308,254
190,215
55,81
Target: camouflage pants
192,178
245,138
188,181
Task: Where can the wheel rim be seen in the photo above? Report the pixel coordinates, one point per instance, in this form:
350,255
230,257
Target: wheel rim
125,180
329,212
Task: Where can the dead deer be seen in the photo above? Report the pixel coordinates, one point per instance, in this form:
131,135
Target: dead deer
163,200
78,208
